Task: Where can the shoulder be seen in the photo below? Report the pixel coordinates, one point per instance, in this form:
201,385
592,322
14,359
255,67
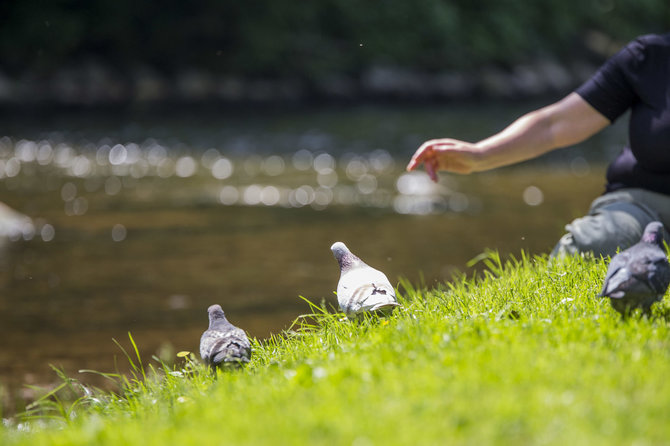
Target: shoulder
637,67
652,40
644,48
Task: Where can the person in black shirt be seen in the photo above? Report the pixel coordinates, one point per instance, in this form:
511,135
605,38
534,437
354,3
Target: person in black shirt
637,78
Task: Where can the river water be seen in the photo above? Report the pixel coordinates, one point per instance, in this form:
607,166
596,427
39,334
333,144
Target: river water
139,223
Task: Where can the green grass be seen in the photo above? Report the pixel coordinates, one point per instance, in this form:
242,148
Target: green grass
524,354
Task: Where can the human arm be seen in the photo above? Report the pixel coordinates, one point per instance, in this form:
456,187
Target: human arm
561,124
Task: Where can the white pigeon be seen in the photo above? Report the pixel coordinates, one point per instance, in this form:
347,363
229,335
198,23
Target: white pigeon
223,344
361,288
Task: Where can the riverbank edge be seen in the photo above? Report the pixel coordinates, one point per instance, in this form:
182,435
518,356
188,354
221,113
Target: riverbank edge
96,85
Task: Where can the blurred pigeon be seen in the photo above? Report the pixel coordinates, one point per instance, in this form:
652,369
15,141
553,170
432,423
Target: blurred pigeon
223,344
361,288
638,276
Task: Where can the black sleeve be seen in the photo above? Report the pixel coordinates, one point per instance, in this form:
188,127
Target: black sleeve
610,90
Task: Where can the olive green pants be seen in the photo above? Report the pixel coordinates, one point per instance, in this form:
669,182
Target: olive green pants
614,222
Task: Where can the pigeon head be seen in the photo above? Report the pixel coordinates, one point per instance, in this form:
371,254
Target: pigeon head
344,257
215,313
653,233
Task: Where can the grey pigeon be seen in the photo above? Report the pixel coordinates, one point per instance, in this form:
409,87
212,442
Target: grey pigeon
223,344
361,288
638,276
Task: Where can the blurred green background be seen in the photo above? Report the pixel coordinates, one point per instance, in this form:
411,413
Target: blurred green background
64,51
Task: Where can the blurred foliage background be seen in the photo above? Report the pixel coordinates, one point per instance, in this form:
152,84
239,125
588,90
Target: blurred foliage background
307,42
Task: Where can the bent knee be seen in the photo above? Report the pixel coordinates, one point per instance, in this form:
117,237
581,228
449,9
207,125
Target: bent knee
603,233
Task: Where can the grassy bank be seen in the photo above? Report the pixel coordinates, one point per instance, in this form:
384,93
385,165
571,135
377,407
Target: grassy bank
526,354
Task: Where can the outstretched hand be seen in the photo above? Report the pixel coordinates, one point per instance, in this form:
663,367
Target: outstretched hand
566,122
445,154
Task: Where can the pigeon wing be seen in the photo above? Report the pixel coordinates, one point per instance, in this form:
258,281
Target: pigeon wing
230,345
364,289
659,274
617,274
207,340
233,348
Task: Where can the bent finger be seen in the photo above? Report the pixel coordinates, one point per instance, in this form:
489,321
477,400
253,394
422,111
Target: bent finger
430,169
418,158
421,155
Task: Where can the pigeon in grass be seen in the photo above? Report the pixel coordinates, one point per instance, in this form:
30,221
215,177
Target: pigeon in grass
638,276
223,344
361,288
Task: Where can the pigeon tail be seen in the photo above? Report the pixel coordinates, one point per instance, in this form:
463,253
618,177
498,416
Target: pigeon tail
626,305
384,309
229,352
